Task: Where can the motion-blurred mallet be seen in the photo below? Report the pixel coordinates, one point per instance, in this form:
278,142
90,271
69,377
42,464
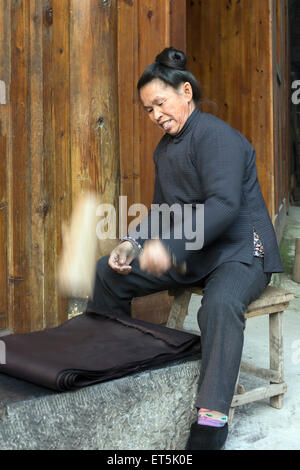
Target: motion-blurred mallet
76,272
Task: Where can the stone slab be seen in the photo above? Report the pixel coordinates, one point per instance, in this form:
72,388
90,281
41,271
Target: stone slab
151,410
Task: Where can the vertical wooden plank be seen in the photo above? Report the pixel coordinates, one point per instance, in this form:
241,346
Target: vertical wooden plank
287,75
178,24
273,133
276,352
5,49
36,180
55,204
61,137
154,21
94,101
262,99
48,203
128,104
19,274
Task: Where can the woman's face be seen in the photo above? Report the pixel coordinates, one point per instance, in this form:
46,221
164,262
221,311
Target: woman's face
169,108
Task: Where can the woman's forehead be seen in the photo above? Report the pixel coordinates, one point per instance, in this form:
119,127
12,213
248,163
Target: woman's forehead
155,90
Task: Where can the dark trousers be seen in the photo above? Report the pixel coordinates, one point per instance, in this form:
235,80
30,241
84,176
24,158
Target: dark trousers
228,290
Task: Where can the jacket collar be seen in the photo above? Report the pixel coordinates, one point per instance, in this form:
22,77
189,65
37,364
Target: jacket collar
186,128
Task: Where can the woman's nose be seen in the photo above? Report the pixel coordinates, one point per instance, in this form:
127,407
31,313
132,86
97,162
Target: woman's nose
157,114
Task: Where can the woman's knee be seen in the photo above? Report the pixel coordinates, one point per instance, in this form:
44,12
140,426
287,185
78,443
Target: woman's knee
222,308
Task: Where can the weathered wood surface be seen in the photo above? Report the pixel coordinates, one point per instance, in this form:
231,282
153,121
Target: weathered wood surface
5,72
261,372
259,394
276,353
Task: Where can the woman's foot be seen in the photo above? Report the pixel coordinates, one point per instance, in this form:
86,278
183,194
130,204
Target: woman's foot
204,437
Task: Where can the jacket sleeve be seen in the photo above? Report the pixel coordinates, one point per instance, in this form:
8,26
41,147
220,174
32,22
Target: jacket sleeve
220,160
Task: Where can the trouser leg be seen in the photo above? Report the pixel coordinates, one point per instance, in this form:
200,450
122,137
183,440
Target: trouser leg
228,291
114,291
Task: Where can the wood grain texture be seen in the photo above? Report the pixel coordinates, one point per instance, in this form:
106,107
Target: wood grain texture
35,151
5,71
55,196
19,268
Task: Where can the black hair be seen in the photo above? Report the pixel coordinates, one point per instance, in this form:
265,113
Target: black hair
170,67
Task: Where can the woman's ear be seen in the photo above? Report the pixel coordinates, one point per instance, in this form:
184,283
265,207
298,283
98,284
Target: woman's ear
187,91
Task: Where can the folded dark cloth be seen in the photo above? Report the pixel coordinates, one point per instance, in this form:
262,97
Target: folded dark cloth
94,347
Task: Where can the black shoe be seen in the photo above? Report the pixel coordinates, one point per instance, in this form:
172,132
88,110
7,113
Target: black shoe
206,437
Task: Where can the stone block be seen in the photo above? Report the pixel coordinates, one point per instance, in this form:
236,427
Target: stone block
151,410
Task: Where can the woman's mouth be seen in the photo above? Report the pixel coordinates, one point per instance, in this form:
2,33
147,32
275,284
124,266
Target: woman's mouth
167,125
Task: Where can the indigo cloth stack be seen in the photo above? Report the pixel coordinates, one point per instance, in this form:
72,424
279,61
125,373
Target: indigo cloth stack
94,347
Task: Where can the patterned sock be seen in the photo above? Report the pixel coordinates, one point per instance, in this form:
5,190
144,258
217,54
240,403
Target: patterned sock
211,418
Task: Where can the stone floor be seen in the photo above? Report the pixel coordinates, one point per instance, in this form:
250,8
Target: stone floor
257,426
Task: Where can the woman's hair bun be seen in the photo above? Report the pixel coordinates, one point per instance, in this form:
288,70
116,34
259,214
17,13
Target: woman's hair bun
172,58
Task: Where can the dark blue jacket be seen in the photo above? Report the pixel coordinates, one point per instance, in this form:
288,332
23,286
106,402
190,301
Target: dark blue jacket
211,164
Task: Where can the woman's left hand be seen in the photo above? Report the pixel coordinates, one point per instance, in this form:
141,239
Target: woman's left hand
155,259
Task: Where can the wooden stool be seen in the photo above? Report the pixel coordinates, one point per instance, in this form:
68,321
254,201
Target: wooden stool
272,302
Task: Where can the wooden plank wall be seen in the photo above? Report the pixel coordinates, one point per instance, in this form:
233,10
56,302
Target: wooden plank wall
230,50
58,138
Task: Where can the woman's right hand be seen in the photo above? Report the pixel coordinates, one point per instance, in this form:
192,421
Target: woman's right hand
121,257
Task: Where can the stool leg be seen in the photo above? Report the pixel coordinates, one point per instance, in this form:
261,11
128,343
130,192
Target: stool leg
179,309
276,352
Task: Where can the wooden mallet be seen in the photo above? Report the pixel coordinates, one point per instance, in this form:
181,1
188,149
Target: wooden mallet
76,270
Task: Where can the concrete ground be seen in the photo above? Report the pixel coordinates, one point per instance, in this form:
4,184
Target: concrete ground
257,426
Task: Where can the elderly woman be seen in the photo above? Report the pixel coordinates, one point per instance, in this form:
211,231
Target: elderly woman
201,161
